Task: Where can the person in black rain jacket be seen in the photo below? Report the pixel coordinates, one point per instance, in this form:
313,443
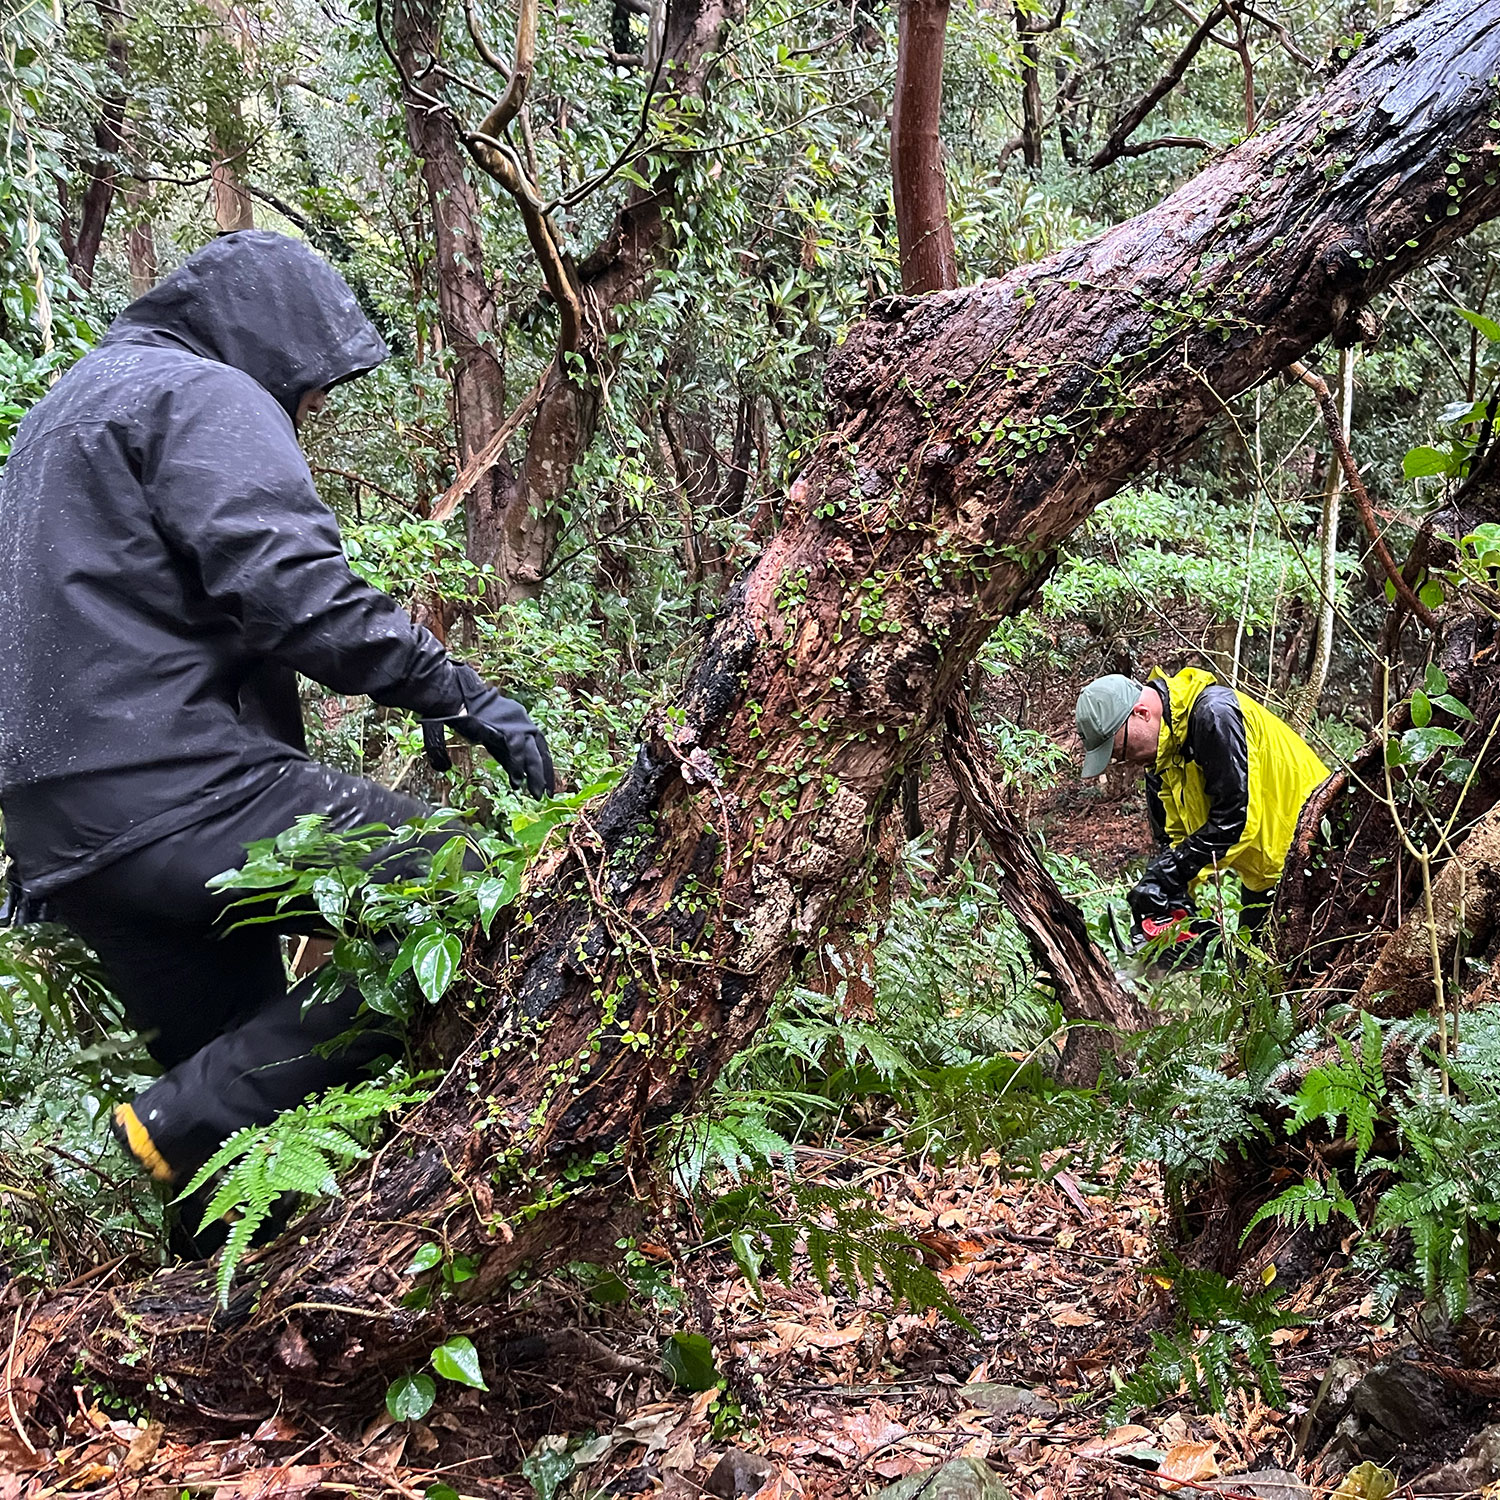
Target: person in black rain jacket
166,569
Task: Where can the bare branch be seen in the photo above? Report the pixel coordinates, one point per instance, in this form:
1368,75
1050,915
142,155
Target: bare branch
487,457
498,159
1331,420
488,56
520,75
1282,35
1164,142
1114,147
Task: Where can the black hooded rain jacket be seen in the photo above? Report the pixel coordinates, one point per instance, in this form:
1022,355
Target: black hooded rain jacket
166,565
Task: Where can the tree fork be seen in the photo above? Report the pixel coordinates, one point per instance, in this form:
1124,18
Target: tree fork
970,433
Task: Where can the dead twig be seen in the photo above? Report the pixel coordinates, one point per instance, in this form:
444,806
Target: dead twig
1326,404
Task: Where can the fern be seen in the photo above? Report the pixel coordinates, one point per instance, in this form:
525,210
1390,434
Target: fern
1220,1330
841,1232
298,1155
1352,1089
739,1137
1309,1205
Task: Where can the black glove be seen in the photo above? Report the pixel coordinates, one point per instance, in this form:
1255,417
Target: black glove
1150,899
19,909
501,726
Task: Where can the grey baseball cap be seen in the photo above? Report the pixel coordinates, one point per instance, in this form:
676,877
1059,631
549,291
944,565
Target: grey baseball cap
1103,706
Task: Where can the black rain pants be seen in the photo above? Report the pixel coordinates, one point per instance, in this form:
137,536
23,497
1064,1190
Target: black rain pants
212,999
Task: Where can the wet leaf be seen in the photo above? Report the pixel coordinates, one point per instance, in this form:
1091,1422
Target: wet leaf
410,1397
459,1360
435,962
689,1360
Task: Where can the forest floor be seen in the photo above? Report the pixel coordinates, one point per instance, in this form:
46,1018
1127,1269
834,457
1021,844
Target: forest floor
830,1396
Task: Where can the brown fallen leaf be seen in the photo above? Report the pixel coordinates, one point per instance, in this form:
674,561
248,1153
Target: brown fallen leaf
1190,1461
86,1476
282,1482
143,1447
800,1336
898,1465
1122,1437
275,1429
1071,1317
682,1455
866,1432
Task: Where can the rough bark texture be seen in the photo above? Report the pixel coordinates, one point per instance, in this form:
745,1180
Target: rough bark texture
1085,985
467,311
1466,910
1031,90
140,242
233,206
969,433
919,184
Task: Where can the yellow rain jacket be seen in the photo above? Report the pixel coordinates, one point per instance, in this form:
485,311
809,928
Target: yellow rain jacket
1229,782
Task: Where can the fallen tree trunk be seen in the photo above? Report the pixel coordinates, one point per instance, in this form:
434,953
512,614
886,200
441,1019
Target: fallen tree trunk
970,432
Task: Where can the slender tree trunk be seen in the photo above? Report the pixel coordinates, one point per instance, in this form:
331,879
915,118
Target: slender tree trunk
617,272
467,311
919,184
1328,551
140,242
969,435
233,207
109,143
1086,987
1031,91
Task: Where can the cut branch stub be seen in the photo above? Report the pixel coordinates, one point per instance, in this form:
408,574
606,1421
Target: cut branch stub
970,434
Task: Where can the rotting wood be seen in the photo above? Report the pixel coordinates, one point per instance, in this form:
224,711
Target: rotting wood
970,432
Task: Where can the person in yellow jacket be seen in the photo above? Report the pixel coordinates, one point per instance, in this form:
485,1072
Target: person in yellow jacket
1225,779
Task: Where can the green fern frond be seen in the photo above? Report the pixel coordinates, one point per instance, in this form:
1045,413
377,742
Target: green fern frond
1309,1205
298,1155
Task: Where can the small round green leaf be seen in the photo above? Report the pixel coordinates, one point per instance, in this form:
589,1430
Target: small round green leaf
409,1397
1421,709
424,1260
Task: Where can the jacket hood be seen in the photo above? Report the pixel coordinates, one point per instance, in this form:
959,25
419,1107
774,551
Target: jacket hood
265,304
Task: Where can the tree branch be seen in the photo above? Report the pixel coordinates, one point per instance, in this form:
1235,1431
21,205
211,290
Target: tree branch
1330,412
1114,146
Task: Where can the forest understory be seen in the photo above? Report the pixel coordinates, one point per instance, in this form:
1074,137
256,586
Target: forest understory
794,407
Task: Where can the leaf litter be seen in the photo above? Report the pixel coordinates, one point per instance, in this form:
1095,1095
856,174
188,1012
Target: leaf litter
824,1395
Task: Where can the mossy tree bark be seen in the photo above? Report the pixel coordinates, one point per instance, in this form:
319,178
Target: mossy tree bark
969,433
